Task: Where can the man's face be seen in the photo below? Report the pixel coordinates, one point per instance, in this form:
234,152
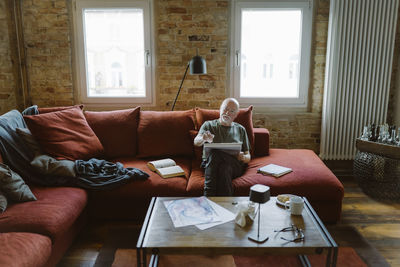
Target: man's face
228,113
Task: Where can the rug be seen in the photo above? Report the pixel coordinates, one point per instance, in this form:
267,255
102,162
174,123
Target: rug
119,251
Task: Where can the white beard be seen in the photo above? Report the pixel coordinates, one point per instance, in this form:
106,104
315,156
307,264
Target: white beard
226,120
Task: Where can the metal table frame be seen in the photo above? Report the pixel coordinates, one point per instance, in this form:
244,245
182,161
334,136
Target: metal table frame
331,258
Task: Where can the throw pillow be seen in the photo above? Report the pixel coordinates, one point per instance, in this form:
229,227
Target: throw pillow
162,133
117,131
244,118
65,134
13,186
3,202
29,140
54,109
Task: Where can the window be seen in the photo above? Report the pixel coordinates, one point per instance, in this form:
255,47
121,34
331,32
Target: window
113,44
270,52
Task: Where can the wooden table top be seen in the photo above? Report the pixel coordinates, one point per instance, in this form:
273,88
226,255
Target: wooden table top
229,238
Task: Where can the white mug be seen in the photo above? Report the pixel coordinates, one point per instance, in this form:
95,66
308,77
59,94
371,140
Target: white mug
295,205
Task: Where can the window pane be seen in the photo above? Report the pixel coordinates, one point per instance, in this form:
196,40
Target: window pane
114,47
270,49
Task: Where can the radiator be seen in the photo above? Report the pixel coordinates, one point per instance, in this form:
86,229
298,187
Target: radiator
360,47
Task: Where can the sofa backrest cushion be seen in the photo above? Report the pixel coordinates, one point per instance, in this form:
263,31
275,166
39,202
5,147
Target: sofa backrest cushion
117,131
54,109
244,118
163,133
65,134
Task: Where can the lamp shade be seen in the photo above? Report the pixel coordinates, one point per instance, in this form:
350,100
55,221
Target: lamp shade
259,193
198,65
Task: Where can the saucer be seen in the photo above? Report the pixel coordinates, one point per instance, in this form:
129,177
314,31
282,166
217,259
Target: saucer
283,195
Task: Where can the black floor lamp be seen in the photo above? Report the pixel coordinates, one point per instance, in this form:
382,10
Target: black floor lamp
197,66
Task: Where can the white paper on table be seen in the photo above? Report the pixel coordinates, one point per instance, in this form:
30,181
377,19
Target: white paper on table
191,211
224,214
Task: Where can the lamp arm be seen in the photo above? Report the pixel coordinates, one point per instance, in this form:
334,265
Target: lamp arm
180,87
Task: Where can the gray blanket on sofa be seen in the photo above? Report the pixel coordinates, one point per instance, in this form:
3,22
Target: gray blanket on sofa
93,174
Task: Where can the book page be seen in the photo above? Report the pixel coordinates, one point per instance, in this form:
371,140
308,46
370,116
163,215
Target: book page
157,164
171,171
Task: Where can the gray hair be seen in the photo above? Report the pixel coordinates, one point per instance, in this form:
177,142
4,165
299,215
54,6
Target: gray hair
228,100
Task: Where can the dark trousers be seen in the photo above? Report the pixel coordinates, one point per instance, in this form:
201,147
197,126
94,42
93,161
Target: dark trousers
219,170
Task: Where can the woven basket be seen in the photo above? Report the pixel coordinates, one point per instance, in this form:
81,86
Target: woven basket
377,175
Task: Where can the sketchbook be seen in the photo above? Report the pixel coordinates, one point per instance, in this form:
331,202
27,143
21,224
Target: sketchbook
274,170
230,148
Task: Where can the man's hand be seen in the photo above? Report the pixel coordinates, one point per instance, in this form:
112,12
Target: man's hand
202,138
244,157
208,137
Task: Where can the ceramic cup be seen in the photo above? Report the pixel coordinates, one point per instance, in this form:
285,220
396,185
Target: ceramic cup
295,205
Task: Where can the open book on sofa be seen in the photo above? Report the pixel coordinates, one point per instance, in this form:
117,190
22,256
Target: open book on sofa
166,168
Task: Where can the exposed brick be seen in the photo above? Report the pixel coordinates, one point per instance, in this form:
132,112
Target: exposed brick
199,38
198,90
222,3
176,10
186,17
4,96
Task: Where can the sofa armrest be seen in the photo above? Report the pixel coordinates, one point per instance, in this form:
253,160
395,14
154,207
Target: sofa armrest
261,142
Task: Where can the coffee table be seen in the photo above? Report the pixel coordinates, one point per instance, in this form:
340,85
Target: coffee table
158,235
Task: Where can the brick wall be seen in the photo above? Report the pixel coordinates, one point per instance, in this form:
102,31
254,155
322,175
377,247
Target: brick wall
182,27
47,37
7,84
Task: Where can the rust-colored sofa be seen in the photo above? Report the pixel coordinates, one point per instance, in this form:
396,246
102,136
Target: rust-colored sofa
43,230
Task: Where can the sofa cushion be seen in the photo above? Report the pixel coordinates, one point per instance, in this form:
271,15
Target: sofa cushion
117,131
197,150
136,194
54,109
14,186
165,133
310,178
261,142
55,210
24,249
65,134
244,118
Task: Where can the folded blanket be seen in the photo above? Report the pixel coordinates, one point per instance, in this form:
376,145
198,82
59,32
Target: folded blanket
101,174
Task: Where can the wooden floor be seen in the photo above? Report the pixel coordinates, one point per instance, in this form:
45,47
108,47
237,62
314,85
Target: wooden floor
377,221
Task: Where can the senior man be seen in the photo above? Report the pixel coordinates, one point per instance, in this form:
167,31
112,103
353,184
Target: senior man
221,168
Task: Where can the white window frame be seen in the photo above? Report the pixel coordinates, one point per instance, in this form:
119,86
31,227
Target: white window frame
80,56
306,7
